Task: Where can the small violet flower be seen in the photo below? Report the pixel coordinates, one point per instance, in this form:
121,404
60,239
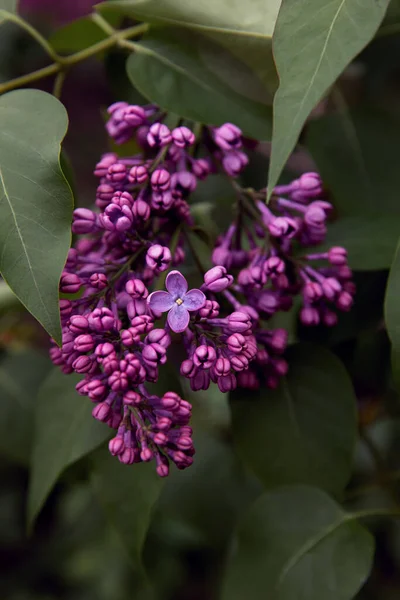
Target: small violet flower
177,301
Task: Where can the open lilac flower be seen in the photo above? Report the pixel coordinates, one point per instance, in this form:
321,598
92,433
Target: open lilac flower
177,300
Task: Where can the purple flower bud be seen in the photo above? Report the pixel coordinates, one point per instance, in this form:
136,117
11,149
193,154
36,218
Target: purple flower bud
118,381
134,115
200,380
345,301
98,281
217,279
309,185
227,383
84,343
159,336
141,210
96,389
283,227
138,174
274,266
329,318
312,291
136,288
228,136
183,183
116,218
122,199
103,165
234,162
160,180
309,316
116,173
279,340
130,336
331,287
82,364
116,445
188,368
127,456
153,354
104,350
210,310
183,137
171,401
101,319
78,324
236,343
143,323
104,195
239,322
222,256
222,367
158,257
239,363
159,135
204,356
249,380
101,411
337,256
65,308
162,200
315,215
201,168
132,398
136,307
84,221
70,283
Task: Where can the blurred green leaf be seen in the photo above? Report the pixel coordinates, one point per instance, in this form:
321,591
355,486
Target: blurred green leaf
80,34
312,44
369,240
244,28
392,313
64,432
171,67
7,6
128,494
21,374
356,154
36,202
296,543
303,432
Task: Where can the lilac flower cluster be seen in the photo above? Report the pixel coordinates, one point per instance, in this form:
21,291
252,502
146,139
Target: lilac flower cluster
115,333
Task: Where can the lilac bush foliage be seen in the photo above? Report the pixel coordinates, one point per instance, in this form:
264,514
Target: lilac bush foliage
115,332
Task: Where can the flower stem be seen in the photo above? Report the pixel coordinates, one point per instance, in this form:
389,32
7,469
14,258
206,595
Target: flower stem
33,33
63,63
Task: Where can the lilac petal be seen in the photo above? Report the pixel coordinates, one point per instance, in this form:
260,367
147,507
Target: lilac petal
160,301
176,284
178,318
194,300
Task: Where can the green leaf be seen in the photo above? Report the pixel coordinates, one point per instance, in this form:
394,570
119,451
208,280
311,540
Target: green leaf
392,313
35,202
9,6
21,374
305,431
171,67
356,154
80,34
244,28
64,432
370,241
128,494
313,43
296,543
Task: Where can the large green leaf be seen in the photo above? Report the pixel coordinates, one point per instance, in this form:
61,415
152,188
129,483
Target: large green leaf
296,543
171,67
35,202
21,374
245,28
64,432
7,6
369,240
80,34
356,154
303,432
392,313
313,43
128,494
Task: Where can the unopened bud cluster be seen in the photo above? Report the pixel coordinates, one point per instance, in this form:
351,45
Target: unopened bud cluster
121,326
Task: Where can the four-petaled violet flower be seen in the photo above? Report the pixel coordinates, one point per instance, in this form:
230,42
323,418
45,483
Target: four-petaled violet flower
177,300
